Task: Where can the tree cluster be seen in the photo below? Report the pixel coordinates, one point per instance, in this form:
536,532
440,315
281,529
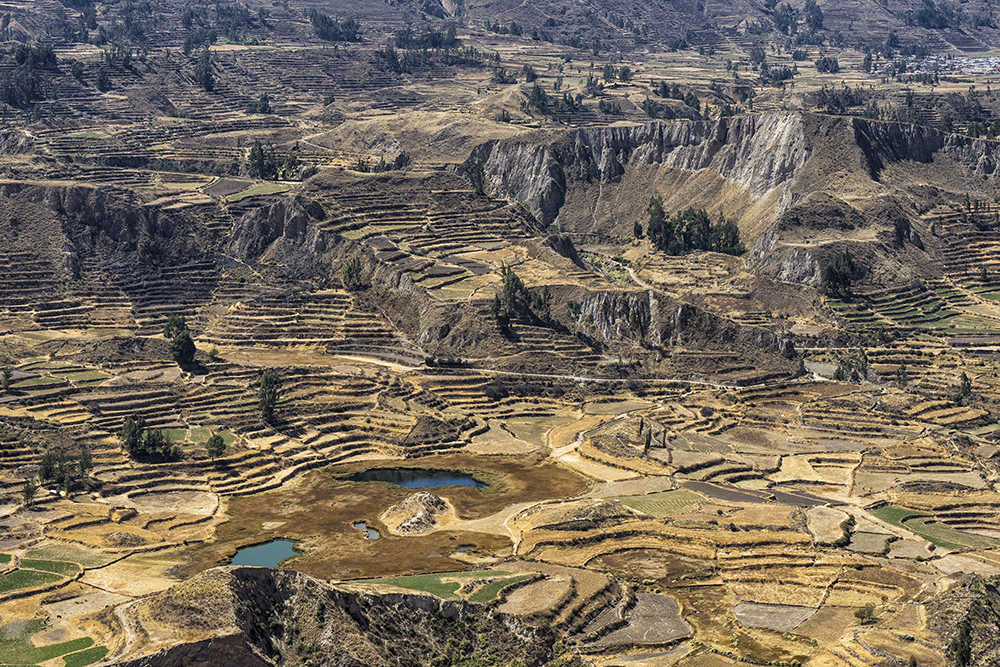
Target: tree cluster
267,395
59,467
146,444
333,30
203,73
21,85
182,346
261,105
404,38
839,274
827,65
401,161
515,300
512,28
674,92
691,229
263,163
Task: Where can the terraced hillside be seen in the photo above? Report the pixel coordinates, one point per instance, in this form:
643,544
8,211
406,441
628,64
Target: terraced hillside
464,333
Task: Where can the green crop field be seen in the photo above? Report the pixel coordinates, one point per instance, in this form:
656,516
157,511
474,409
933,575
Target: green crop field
54,566
87,657
491,590
664,503
16,647
19,579
936,533
258,190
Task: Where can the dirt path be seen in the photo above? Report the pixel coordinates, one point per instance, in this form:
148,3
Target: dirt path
129,641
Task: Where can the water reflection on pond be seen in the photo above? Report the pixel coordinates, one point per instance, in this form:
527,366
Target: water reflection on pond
417,478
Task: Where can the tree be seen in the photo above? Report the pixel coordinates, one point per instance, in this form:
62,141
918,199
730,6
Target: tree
157,445
786,19
352,274
215,446
964,388
174,326
85,461
827,65
267,395
902,378
183,349
838,276
102,81
5,376
332,30
866,614
538,99
28,492
960,647
814,15
262,105
203,74
131,434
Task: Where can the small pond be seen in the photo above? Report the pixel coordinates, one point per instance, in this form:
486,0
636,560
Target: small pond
370,533
416,478
268,554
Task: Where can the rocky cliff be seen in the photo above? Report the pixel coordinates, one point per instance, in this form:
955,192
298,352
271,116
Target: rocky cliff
885,143
260,616
758,152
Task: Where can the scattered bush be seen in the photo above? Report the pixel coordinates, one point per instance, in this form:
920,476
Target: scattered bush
827,65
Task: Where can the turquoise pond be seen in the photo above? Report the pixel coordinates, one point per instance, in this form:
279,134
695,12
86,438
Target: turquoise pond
268,554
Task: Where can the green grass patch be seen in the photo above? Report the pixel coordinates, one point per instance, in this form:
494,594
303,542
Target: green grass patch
174,434
199,434
946,536
16,647
433,583
54,566
895,514
34,382
18,579
664,503
85,135
85,376
259,190
72,553
5,558
925,526
491,590
88,657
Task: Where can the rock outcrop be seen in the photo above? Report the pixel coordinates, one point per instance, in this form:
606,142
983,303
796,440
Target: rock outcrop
416,514
759,152
260,616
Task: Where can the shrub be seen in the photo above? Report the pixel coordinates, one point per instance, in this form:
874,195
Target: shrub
839,274
183,349
103,81
175,325
352,277
216,446
267,395
203,73
827,65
